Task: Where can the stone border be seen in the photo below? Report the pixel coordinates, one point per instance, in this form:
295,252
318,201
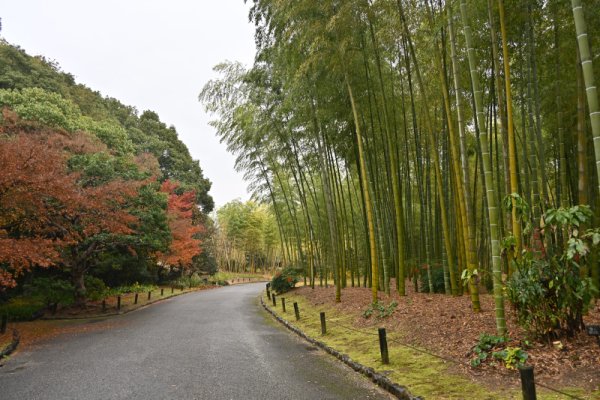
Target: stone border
12,346
401,392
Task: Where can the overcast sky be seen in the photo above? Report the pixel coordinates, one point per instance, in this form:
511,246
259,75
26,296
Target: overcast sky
151,54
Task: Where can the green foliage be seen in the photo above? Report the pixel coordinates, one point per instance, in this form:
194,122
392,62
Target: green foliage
483,347
380,309
437,278
135,288
548,290
285,280
51,290
22,308
95,289
513,357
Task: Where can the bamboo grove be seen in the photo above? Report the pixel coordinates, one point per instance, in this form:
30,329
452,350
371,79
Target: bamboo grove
398,140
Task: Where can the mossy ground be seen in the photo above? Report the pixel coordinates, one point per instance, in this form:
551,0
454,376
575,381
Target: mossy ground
423,374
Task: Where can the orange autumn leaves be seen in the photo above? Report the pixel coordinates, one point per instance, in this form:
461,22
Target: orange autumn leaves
46,211
180,209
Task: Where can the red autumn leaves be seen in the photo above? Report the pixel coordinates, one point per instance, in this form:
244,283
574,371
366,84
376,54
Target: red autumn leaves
45,211
180,209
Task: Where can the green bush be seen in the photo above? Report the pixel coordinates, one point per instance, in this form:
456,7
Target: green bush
22,308
437,279
95,289
548,289
381,309
51,290
284,280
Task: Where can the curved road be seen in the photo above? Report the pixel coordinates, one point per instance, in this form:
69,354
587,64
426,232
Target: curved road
214,344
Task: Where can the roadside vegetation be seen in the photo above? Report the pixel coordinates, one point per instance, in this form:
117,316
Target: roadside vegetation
446,147
96,198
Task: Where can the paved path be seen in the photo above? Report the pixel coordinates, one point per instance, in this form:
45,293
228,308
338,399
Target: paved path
215,344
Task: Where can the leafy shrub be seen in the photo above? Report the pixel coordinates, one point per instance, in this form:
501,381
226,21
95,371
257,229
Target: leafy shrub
381,309
284,280
135,288
95,289
513,357
548,289
483,347
51,290
437,279
22,308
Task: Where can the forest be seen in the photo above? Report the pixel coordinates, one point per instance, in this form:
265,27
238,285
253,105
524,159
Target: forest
93,194
451,146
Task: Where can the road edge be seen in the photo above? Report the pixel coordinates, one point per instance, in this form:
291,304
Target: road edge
12,346
401,392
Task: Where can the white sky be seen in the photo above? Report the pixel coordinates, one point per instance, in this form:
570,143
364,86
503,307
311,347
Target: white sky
151,54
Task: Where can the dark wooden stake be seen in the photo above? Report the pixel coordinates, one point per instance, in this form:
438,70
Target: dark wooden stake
135,299
323,326
118,303
296,311
172,289
274,300
162,292
385,358
149,294
268,293
527,382
283,304
3,324
103,305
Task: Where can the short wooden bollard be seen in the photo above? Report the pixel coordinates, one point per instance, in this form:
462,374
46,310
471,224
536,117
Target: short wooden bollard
3,324
274,300
162,292
149,294
385,358
268,293
283,304
135,299
323,325
296,311
527,382
172,290
118,303
103,305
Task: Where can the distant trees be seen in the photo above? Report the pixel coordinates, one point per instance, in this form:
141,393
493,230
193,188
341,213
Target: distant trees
245,238
89,187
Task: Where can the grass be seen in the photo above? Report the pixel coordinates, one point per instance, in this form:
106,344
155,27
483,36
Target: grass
423,374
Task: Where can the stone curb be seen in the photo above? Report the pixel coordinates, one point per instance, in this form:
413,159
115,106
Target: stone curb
384,382
12,346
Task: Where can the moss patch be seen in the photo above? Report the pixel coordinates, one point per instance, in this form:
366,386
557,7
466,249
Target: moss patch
423,374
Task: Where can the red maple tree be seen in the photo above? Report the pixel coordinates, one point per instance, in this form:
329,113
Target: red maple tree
180,210
47,218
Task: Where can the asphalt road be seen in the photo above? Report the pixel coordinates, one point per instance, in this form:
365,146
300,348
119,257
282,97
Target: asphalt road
215,344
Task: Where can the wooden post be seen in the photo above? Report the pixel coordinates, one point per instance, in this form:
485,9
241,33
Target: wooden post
269,294
162,292
527,382
118,303
104,305
296,311
385,358
283,303
323,326
149,294
274,300
3,324
172,289
135,299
